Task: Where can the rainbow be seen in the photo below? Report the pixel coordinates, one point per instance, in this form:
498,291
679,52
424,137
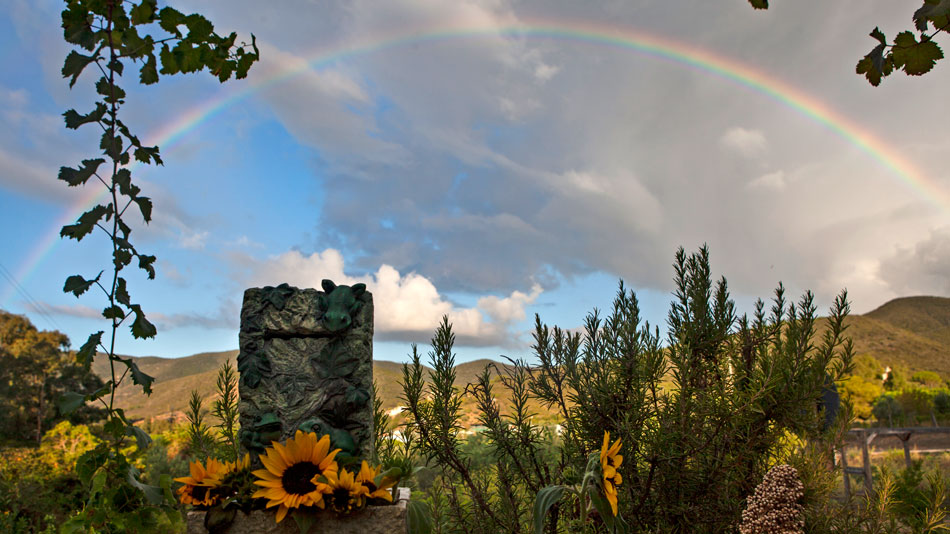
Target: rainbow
636,41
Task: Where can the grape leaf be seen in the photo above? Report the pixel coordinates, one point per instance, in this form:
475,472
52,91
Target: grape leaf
79,176
915,58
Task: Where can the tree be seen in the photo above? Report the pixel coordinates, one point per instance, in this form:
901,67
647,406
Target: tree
912,51
35,369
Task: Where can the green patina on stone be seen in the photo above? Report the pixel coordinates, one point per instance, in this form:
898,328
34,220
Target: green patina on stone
306,362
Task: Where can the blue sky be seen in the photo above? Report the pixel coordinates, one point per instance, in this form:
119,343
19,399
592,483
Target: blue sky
489,178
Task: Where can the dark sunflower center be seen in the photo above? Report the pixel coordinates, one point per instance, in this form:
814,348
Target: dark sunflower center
200,492
296,478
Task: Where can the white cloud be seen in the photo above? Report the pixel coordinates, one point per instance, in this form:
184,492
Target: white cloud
747,142
192,239
921,269
773,180
407,307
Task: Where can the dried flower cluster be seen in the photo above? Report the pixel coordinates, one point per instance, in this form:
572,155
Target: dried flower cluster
774,506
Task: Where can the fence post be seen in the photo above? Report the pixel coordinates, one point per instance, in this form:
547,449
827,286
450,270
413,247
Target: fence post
844,472
866,438
905,438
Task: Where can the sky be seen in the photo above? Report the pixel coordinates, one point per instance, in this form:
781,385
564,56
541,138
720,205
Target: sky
489,160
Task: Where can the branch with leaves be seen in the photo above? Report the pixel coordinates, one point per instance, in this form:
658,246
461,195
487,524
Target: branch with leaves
914,54
110,34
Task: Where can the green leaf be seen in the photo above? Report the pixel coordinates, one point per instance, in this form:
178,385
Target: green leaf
879,35
74,177
153,494
88,349
304,520
74,65
75,120
930,11
759,4
70,402
77,26
86,223
143,153
419,517
77,285
138,377
145,205
614,523
169,61
111,92
546,498
141,327
218,519
111,146
199,28
145,263
915,58
142,439
170,19
144,13
121,292
123,179
113,312
148,74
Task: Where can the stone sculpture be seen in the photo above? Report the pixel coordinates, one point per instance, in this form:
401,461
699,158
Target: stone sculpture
306,362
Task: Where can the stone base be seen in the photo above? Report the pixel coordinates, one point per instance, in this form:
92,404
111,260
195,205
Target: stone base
372,519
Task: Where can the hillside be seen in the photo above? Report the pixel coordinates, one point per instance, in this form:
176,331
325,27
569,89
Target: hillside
913,332
175,378
928,317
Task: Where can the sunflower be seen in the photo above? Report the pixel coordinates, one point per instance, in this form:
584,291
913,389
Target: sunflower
367,477
292,473
348,494
197,489
610,460
238,465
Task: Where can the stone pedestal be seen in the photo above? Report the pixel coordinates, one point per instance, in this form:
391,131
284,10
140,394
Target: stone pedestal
371,520
306,363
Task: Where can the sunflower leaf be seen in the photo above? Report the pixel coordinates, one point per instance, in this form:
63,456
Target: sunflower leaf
142,439
153,494
219,519
546,498
303,519
419,517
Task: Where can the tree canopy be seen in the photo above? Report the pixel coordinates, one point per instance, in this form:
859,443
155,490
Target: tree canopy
36,368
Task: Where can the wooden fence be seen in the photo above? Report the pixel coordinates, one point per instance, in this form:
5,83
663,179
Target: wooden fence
865,436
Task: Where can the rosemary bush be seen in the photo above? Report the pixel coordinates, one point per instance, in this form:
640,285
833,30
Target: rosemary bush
702,415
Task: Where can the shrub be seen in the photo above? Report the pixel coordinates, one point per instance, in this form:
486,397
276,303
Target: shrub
702,417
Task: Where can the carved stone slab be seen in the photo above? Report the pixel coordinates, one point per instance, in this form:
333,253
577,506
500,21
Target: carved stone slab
306,362
373,520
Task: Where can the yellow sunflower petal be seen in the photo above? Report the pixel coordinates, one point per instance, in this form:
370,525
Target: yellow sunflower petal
282,512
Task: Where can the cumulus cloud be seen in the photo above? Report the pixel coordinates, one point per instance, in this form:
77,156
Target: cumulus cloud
747,142
408,307
921,269
773,180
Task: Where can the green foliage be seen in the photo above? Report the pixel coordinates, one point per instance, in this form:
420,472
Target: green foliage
225,408
38,486
912,51
701,418
927,379
36,369
200,439
107,34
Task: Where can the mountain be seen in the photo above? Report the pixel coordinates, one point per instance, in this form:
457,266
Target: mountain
910,331
176,378
913,332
